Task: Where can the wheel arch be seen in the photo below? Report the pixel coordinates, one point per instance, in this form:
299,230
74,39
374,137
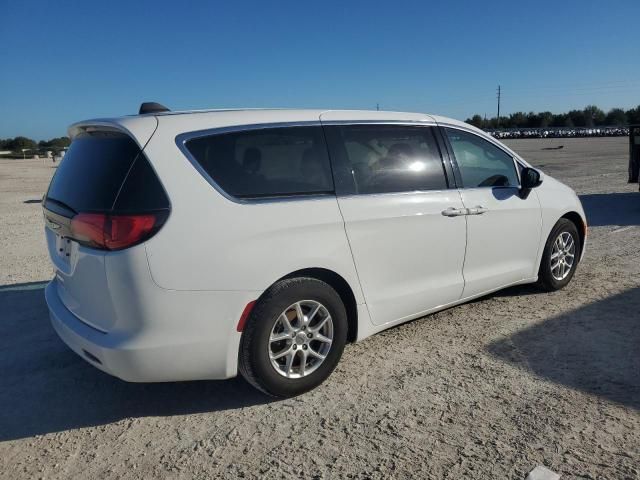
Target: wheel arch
341,286
581,225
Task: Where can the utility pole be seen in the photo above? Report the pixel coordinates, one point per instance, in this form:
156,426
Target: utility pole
498,119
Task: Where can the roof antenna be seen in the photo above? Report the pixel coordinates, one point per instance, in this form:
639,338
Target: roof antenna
152,107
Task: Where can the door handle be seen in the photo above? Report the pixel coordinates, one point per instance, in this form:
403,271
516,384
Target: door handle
454,212
477,210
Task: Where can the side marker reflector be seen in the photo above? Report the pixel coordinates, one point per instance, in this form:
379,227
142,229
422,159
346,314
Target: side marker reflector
245,315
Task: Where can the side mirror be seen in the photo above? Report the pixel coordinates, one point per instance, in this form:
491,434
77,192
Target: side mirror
530,178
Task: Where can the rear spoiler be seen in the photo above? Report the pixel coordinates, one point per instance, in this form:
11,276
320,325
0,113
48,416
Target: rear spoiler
139,128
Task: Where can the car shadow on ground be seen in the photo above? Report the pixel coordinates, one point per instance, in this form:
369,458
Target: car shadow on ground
593,349
45,387
604,209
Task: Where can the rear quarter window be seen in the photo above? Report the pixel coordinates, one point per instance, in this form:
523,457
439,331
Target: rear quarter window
267,162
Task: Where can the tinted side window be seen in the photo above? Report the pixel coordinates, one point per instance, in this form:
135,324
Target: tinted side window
481,163
266,162
385,158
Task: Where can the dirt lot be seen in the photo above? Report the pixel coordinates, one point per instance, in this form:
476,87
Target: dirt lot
485,390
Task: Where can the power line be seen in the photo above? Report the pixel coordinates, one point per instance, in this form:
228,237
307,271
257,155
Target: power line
572,86
611,91
543,91
600,90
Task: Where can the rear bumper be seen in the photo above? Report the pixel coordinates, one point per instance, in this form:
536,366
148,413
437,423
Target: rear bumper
187,336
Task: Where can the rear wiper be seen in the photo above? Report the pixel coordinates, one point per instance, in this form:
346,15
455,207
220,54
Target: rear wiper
60,204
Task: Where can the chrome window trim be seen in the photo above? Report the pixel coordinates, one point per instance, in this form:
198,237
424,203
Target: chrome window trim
490,140
183,138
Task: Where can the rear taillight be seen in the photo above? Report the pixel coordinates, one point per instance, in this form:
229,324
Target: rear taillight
114,232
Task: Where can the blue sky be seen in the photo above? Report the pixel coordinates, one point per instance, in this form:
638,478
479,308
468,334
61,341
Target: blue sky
67,61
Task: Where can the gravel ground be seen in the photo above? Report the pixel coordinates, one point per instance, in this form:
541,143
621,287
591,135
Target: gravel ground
484,390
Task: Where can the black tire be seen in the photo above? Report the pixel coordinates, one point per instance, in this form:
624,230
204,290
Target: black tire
546,280
254,361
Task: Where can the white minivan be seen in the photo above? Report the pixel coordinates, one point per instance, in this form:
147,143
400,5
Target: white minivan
196,245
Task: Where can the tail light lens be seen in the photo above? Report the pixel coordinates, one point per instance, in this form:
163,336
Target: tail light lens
114,232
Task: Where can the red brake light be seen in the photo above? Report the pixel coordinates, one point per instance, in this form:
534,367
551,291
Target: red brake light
112,232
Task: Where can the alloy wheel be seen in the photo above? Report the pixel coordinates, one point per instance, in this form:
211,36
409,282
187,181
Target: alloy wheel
562,256
301,339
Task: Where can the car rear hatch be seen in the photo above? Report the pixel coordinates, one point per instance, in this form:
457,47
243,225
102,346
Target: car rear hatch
104,198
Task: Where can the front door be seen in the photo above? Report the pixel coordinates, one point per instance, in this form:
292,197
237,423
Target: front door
392,192
503,226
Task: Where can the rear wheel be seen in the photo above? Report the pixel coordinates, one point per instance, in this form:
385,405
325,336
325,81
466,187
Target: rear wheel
294,337
560,256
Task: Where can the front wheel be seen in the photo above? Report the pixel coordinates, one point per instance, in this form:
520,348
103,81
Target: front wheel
294,337
560,257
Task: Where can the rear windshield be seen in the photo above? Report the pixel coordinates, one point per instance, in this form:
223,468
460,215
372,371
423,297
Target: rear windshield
91,176
92,171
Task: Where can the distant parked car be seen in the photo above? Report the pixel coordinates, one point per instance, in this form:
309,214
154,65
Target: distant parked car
197,245
558,132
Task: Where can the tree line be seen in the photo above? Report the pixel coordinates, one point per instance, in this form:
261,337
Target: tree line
17,144
590,116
